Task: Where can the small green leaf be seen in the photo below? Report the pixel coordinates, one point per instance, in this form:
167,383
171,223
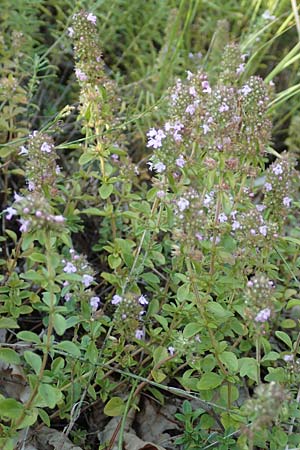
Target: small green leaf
7,322
9,355
51,395
158,375
69,347
285,338
106,190
86,157
183,292
191,329
10,408
160,354
29,336
230,361
44,416
114,407
209,380
114,261
60,324
33,360
248,367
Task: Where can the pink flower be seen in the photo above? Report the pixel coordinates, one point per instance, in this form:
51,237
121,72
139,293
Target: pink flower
10,212
70,268
263,315
80,75
91,18
206,87
155,138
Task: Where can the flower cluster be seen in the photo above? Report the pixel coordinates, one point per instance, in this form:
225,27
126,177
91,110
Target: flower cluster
97,96
35,213
280,185
40,167
206,119
258,299
129,313
79,277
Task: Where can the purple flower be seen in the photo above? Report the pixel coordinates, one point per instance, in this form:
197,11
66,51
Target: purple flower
58,219
116,299
91,18
139,334
190,109
161,194
260,208
263,315
288,358
17,197
31,185
95,302
10,212
193,91
189,75
206,128
80,75
143,301
67,297
199,236
87,280
70,268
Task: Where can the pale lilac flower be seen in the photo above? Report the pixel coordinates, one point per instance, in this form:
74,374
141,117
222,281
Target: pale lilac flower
139,334
250,283
233,214
288,358
23,150
70,32
222,218
189,75
263,315
38,213
206,87
287,201
199,236
235,225
25,225
155,138
161,194
253,232
268,187
193,91
180,162
46,148
263,230
223,108
182,204
91,18
240,69
143,301
114,157
267,15
95,302
116,299
87,280
10,212
57,170
31,185
171,350
18,197
245,90
70,268
159,167
208,199
260,208
80,75
206,128
190,109
67,297
277,169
